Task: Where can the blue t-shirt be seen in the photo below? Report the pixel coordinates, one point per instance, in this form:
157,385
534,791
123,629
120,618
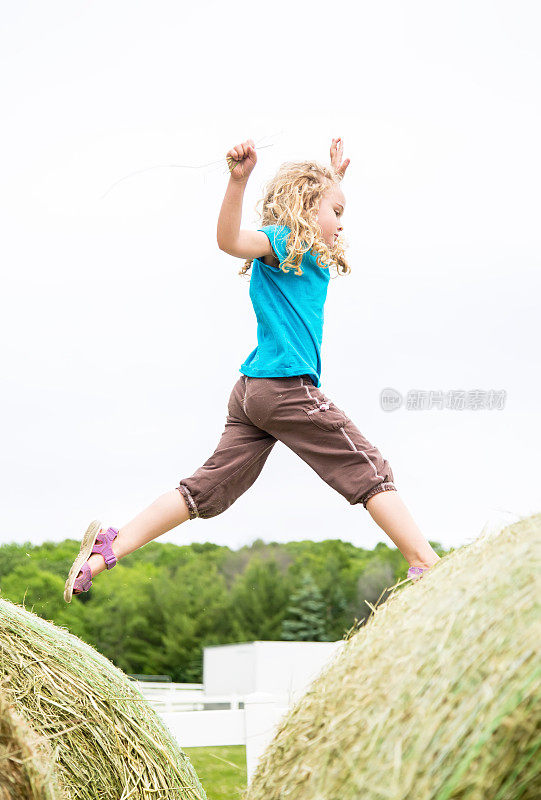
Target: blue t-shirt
289,312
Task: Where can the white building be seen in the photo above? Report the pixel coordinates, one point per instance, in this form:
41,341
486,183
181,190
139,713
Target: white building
279,668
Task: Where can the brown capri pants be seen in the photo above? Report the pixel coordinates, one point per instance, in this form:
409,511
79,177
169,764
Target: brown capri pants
262,411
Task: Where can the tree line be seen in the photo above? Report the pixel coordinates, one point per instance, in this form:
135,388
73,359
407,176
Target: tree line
161,605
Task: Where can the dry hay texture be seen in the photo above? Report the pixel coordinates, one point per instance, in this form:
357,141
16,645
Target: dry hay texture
436,697
104,740
25,759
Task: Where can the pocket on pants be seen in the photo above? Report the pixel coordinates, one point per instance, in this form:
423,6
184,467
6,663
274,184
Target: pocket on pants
327,416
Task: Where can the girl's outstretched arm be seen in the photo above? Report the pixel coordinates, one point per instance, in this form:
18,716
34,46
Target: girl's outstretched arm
231,239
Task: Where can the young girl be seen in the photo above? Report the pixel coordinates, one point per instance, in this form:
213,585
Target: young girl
277,396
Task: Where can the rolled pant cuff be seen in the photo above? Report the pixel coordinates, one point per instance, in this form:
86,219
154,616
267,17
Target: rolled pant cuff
190,502
381,487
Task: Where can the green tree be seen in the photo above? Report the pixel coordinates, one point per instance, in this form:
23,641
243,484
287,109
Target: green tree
13,555
197,615
305,619
259,600
122,618
39,590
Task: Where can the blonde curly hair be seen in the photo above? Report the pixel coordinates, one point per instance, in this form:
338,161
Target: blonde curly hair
292,198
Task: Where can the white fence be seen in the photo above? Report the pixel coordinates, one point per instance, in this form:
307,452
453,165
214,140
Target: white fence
169,697
199,720
197,717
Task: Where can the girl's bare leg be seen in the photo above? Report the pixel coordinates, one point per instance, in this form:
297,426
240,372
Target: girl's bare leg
386,508
392,516
168,511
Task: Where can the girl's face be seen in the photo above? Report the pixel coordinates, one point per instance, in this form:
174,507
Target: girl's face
331,208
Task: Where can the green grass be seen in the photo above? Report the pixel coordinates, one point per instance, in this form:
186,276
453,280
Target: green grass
221,770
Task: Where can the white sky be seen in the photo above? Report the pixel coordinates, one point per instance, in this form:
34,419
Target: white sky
123,325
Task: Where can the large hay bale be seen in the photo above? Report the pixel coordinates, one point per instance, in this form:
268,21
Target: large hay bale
26,760
110,744
436,697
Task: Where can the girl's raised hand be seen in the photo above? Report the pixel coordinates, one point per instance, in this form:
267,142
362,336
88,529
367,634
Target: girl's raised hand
337,149
241,160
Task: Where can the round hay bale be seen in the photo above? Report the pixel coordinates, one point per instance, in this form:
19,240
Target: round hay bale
436,697
110,744
25,760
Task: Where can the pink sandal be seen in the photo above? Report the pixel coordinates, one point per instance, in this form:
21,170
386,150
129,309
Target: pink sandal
95,540
415,573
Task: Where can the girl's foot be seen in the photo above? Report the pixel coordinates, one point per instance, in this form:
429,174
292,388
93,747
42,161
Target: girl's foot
414,573
95,540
